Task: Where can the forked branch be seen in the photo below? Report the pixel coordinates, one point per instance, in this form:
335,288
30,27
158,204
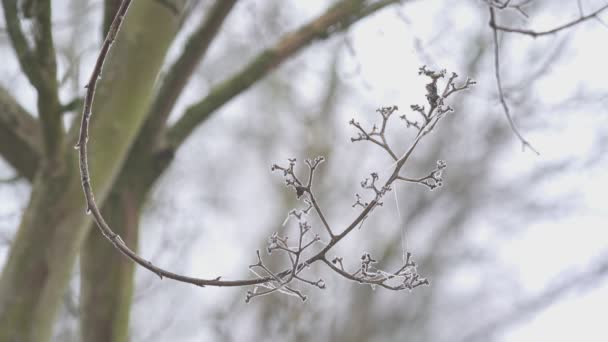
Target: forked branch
534,34
497,5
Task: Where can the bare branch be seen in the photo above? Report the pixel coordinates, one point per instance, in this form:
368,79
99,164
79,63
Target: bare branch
386,113
19,136
181,71
508,4
433,180
39,65
501,95
292,180
579,4
569,281
336,19
535,34
408,278
110,7
492,5
92,207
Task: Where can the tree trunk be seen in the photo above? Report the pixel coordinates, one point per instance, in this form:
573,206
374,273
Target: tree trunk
54,224
107,276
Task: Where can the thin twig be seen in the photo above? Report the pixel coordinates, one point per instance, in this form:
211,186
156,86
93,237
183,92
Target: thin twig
556,29
501,95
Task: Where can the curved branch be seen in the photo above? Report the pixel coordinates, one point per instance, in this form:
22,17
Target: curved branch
92,207
110,7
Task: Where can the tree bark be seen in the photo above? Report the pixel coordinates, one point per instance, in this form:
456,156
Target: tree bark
54,224
106,276
20,139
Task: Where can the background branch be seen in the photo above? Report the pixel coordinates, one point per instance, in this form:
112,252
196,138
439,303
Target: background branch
568,282
181,71
501,95
338,18
554,30
19,136
39,65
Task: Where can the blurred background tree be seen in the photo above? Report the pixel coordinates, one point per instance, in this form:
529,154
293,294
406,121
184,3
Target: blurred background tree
198,98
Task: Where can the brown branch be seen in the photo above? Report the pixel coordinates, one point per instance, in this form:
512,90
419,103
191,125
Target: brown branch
501,95
495,28
336,19
181,71
39,65
556,29
92,207
19,136
20,45
110,7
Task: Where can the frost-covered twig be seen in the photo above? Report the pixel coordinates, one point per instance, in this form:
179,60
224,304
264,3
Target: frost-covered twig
406,276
